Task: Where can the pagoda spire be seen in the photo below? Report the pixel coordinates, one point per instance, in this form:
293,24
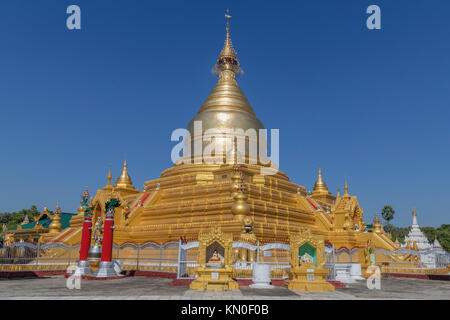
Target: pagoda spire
109,177
226,106
346,187
320,185
124,180
414,215
227,59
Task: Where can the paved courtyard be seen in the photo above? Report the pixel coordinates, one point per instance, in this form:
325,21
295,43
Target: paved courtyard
158,288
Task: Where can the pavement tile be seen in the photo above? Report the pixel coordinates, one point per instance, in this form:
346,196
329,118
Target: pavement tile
144,288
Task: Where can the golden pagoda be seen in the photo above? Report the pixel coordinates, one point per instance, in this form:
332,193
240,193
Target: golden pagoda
191,197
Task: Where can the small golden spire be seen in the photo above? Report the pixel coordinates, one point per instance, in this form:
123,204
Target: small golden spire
56,226
57,210
109,177
124,180
320,185
346,187
338,193
376,220
414,213
376,224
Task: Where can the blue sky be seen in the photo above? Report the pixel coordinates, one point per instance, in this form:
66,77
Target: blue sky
369,104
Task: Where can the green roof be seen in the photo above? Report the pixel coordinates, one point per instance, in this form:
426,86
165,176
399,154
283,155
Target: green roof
65,222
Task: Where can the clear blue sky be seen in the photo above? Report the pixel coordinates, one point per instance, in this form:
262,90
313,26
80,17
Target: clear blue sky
372,105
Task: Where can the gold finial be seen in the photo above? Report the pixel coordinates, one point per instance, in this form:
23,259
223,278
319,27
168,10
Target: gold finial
227,59
346,186
57,210
414,213
376,220
338,193
109,176
376,224
320,185
227,14
55,226
124,180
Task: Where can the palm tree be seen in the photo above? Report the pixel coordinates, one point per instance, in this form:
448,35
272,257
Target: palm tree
387,213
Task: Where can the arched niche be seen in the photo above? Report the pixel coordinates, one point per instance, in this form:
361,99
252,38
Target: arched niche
213,247
307,253
215,238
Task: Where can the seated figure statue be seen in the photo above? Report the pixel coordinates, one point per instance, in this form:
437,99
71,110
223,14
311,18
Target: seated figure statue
216,260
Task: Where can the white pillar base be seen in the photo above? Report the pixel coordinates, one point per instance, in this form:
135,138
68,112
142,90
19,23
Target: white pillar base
106,270
82,269
261,276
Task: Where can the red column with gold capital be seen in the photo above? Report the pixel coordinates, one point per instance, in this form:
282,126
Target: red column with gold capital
106,269
108,229
83,267
86,238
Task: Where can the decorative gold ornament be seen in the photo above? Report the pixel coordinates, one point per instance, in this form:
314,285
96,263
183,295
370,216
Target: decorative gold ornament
124,180
55,226
247,225
210,277
308,275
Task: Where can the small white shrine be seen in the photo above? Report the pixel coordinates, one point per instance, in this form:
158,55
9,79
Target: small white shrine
429,253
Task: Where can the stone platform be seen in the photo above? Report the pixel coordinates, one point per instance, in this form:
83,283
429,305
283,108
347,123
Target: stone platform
138,288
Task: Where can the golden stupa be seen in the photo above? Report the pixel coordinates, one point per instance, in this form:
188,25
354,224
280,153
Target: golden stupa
190,198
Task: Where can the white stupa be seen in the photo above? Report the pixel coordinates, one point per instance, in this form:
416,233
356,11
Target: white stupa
436,244
431,255
417,235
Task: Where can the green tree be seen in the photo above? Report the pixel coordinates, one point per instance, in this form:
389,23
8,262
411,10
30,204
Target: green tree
12,219
387,213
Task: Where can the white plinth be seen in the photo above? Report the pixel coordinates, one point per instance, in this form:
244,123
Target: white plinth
214,265
355,271
117,266
343,273
261,276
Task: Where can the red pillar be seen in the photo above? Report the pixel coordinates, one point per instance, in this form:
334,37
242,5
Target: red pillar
86,238
108,228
